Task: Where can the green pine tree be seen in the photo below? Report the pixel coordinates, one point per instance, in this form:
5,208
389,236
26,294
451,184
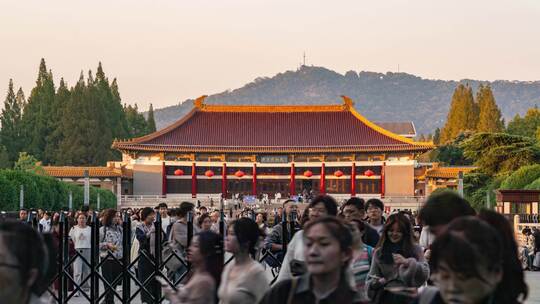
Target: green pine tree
86,138
137,124
62,97
489,119
462,116
437,136
526,125
36,117
21,100
151,121
11,133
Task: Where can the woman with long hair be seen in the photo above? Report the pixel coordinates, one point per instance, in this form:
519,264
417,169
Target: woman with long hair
206,261
469,262
328,251
25,262
398,267
110,246
243,280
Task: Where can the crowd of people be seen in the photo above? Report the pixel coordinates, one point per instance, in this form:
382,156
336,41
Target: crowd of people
351,252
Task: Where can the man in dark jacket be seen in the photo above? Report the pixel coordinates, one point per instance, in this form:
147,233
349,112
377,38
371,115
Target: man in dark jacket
354,209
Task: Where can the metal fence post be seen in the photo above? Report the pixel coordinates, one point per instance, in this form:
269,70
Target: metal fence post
157,258
285,234
94,259
64,238
61,259
126,257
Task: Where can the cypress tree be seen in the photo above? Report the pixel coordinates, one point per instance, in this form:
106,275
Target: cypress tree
151,121
36,118
86,137
490,116
21,100
121,129
437,136
10,119
55,138
137,124
463,114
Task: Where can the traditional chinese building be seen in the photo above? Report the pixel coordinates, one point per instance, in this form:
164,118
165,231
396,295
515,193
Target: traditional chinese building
219,150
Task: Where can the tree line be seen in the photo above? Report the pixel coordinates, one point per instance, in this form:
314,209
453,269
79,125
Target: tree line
507,156
68,125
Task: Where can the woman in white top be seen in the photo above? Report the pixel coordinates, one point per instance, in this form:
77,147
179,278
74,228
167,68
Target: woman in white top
80,235
243,280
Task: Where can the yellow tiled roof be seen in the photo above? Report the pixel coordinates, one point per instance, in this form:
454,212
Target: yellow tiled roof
79,171
447,172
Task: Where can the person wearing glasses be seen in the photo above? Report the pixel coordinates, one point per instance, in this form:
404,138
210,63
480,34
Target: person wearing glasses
294,262
24,264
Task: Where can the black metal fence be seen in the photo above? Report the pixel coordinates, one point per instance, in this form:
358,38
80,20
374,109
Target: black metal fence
95,286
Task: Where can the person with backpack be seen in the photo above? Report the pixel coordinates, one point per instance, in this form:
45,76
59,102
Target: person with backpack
178,241
361,259
274,241
110,245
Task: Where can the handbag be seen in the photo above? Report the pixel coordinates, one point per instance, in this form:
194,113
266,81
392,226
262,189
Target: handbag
171,248
536,262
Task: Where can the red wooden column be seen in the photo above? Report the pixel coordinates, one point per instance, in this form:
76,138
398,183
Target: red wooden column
353,179
193,180
254,188
382,179
322,189
224,181
163,179
292,184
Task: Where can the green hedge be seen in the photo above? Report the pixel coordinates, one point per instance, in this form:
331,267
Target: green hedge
46,192
535,185
522,177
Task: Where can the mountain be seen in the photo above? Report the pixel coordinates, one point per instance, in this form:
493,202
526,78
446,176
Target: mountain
379,97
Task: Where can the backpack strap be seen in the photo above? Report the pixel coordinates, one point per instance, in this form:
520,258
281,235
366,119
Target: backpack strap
369,253
294,283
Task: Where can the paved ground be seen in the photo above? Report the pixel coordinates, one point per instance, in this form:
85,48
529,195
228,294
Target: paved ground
533,279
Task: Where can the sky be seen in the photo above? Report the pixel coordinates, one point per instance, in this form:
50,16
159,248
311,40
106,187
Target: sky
164,52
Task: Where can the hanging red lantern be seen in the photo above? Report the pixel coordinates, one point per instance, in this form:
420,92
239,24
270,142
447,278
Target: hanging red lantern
178,172
338,173
209,173
308,173
369,173
239,173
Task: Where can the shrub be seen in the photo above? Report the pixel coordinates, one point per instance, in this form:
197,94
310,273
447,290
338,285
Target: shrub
522,177
46,192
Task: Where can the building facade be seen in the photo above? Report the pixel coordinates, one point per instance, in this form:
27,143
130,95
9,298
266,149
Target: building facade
223,150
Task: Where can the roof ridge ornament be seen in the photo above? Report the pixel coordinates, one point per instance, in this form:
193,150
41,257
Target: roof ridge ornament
199,102
348,103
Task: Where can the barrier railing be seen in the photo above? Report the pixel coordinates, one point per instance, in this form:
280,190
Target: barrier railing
101,283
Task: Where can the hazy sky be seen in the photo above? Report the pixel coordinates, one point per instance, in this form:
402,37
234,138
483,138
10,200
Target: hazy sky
163,52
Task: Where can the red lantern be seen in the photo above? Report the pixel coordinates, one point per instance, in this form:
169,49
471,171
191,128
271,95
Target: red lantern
178,172
239,173
338,173
209,173
368,173
308,173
